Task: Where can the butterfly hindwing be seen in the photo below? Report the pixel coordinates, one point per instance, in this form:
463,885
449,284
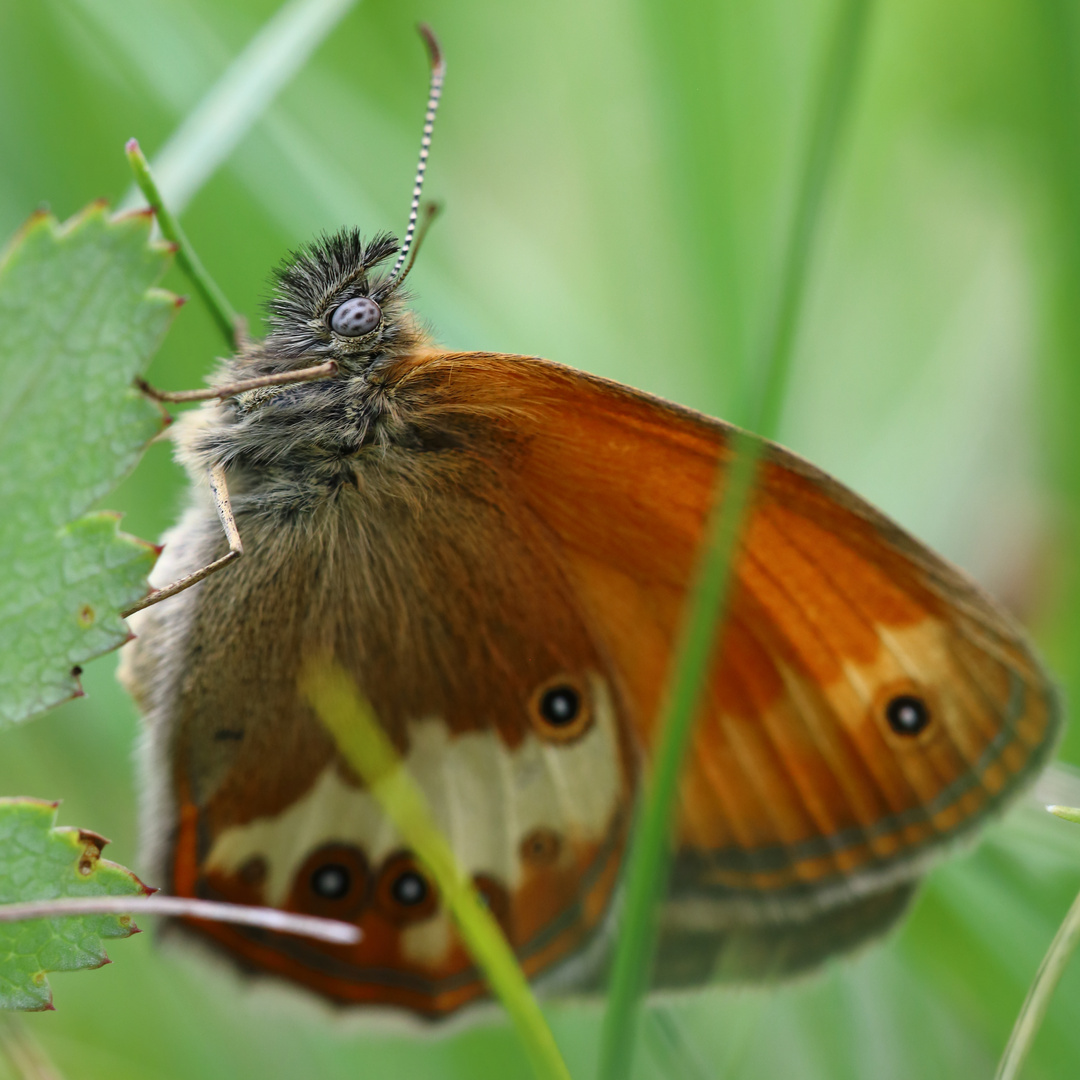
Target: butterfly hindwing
443,599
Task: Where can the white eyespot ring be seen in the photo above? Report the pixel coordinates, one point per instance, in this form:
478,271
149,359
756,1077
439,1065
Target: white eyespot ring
356,317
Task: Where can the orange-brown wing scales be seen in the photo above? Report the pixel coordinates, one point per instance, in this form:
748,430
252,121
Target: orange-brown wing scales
824,652
841,646
796,781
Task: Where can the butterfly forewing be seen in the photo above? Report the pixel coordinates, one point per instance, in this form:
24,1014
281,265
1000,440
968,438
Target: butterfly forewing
867,705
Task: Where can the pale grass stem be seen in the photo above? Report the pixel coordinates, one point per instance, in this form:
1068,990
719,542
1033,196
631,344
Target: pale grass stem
338,933
649,856
1045,982
363,744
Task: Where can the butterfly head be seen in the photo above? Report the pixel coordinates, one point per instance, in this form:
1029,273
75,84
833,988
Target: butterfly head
333,299
331,303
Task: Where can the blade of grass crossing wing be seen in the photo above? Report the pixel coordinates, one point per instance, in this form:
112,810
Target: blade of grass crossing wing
369,752
646,876
649,852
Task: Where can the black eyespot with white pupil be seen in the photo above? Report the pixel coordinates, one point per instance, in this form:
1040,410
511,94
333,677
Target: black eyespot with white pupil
409,888
560,705
907,714
356,317
331,881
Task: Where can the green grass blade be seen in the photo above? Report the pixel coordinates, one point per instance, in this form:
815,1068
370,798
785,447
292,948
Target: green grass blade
646,876
1068,813
833,104
649,852
224,315
1057,957
1038,998
213,128
369,752
672,1051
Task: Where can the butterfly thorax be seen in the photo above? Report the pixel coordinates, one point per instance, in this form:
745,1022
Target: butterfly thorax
293,445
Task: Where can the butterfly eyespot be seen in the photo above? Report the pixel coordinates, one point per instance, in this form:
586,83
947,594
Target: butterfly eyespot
907,714
560,709
560,705
541,847
409,888
356,317
333,881
404,893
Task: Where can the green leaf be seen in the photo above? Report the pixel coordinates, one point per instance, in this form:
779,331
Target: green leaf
78,321
38,861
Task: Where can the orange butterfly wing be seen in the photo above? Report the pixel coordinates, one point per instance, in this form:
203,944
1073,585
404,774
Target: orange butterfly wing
798,794
534,525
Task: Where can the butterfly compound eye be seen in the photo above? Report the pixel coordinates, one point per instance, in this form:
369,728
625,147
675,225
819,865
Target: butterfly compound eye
907,714
356,317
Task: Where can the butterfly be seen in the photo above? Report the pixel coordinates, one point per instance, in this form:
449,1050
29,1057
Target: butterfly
498,550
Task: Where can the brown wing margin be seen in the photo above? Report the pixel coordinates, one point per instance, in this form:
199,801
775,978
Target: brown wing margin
797,795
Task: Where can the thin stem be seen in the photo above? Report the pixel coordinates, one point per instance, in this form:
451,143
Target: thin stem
229,322
649,857
365,747
331,930
1046,979
1038,998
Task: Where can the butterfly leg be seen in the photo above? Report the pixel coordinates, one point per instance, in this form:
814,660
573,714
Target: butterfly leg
220,491
311,374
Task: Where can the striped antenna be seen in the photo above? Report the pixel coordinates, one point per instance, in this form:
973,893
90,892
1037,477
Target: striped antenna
438,73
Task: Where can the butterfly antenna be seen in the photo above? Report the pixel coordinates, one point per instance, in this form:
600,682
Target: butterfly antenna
438,73
431,212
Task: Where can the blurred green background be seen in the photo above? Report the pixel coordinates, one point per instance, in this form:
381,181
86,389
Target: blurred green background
618,179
